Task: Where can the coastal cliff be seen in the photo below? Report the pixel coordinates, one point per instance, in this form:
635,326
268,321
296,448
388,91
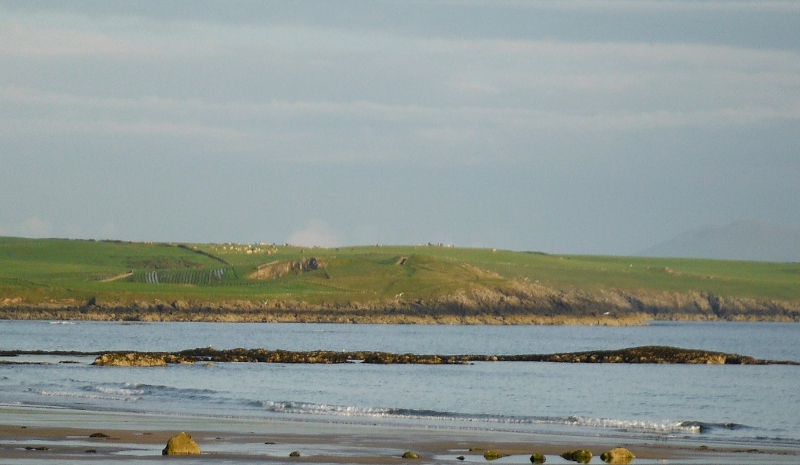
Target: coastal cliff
425,284
520,304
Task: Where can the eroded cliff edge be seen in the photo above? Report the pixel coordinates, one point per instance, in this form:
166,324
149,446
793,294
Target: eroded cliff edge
520,303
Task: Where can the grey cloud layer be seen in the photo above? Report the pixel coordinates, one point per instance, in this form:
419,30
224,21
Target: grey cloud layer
258,89
612,124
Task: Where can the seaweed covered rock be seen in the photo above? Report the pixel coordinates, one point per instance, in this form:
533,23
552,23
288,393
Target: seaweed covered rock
410,455
493,455
140,359
580,456
181,444
538,458
132,359
618,455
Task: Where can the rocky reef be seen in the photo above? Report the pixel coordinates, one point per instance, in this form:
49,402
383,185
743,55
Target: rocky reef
647,354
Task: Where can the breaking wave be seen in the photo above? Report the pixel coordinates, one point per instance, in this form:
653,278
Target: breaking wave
302,408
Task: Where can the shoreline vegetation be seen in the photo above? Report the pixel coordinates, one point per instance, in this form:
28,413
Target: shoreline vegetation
60,279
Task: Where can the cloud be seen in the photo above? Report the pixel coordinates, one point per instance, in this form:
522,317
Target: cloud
316,233
295,92
649,5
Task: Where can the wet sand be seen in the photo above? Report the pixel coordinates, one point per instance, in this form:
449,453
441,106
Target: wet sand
44,435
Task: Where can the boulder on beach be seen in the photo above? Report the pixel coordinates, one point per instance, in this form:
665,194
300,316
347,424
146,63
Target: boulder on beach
579,455
493,455
410,455
181,444
538,458
294,454
618,455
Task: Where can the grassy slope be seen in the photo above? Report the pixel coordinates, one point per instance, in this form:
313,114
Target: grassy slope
50,270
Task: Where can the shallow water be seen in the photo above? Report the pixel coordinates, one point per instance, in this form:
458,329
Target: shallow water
730,403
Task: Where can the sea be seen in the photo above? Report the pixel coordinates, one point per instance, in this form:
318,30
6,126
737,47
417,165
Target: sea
730,404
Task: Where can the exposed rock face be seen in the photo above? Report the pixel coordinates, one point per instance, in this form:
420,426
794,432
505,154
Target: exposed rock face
514,303
181,444
580,456
278,269
618,455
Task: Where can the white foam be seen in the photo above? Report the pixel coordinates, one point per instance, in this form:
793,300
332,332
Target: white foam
85,395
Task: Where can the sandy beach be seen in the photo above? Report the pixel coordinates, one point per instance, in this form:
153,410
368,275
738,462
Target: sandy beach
44,435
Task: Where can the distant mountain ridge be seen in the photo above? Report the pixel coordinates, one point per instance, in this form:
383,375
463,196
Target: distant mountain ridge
741,240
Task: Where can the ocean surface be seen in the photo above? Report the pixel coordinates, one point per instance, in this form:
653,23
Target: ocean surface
706,403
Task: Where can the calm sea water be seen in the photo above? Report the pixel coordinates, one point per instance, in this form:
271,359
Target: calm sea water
752,404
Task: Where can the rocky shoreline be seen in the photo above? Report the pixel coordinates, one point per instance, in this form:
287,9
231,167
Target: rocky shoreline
516,305
645,354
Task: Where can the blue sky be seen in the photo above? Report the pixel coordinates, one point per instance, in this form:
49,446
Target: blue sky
584,126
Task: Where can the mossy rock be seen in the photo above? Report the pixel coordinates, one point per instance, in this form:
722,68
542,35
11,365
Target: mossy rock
579,455
410,455
493,455
538,458
618,455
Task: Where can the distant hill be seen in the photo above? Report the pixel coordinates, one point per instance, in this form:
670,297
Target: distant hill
62,279
742,240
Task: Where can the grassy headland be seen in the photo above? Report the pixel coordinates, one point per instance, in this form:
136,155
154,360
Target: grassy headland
112,280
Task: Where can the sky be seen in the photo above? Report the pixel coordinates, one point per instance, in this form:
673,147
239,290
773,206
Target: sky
566,126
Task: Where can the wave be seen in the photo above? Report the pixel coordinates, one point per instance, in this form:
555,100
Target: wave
128,392
123,392
705,427
304,408
90,395
173,392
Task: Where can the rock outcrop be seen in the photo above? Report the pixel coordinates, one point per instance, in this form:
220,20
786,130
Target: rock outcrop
512,303
140,359
181,444
647,354
617,456
277,269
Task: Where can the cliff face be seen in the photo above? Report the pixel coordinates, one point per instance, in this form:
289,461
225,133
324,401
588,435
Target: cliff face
520,303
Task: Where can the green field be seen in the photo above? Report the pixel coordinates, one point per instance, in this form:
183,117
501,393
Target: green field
54,270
